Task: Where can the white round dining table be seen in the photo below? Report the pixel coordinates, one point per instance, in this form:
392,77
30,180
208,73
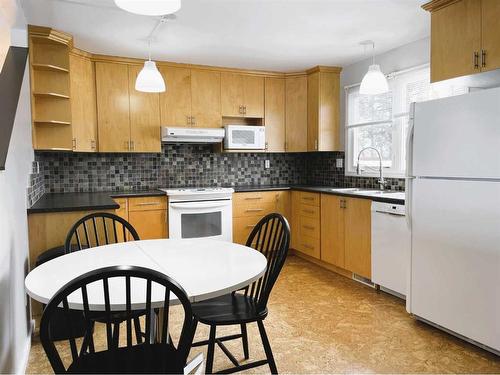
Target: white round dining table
204,268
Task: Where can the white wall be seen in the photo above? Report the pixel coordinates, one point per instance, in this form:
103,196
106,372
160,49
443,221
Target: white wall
14,312
407,56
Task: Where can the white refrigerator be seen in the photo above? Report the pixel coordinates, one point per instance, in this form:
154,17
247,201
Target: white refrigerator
453,210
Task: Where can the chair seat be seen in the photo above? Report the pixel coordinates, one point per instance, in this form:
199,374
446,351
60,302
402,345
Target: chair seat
139,359
228,309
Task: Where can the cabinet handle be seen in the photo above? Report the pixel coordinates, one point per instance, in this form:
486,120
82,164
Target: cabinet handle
483,58
308,211
254,210
252,198
267,146
148,204
343,203
251,226
92,144
74,143
244,109
308,246
316,144
127,145
193,120
476,60
308,227
132,145
308,198
188,120
240,110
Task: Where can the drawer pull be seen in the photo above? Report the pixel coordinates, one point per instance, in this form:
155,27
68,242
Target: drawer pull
308,211
308,246
251,226
308,198
252,198
148,204
308,227
254,210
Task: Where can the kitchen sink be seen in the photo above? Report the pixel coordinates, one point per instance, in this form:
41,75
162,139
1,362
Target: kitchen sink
345,190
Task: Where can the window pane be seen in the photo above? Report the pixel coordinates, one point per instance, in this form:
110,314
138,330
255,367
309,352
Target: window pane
377,136
369,108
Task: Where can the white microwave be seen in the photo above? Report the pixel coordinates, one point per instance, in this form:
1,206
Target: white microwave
245,137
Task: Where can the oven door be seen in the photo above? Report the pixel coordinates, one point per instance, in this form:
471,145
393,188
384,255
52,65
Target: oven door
207,219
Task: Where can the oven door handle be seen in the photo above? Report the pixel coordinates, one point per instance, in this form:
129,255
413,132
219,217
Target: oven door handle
199,205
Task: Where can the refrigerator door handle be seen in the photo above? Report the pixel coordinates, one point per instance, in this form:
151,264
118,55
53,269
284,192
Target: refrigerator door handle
409,165
408,198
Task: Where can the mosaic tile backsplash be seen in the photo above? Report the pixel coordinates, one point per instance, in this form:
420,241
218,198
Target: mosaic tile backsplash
190,166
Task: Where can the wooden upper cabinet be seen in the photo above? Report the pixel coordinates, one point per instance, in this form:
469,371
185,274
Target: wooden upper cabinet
113,108
490,32
357,224
296,113
332,230
206,98
323,101
175,103
242,95
144,116
275,114
455,39
83,103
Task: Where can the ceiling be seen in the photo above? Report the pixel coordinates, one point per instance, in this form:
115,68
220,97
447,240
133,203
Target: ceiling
280,35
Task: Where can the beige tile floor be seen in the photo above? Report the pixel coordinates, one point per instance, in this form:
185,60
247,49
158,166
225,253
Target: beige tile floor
320,322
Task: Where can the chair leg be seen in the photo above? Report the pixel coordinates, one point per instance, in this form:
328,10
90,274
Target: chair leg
267,347
244,339
211,349
137,328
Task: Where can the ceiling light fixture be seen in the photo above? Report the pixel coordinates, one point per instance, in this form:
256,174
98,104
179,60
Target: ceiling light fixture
374,82
149,7
149,78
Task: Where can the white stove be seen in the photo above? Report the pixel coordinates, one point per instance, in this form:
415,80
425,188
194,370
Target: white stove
200,213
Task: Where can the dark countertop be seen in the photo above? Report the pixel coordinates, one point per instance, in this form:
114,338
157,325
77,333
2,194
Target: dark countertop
65,202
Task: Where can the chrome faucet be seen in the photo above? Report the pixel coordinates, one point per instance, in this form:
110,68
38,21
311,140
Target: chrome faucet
381,180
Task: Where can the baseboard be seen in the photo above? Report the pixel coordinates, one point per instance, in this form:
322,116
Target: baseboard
329,267
23,365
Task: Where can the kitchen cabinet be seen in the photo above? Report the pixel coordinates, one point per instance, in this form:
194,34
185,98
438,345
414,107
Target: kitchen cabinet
464,37
205,98
323,101
113,108
144,116
274,94
346,233
242,95
296,113
332,230
148,215
175,102
306,232
250,207
83,103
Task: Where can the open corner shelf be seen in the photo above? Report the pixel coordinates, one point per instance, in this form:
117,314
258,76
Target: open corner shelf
50,95
51,122
49,67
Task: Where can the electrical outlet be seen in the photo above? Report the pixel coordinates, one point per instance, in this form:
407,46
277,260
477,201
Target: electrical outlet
339,163
267,164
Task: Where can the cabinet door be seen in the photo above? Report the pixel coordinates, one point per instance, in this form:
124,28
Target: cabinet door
455,38
332,230
275,114
296,114
113,109
175,102
83,104
123,210
205,98
283,204
490,34
313,111
329,114
357,221
144,117
149,224
253,88
295,219
232,94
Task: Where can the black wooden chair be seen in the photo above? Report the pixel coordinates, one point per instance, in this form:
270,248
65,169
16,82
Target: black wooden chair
155,356
271,236
102,228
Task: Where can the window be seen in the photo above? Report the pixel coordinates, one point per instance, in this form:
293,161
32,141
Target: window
381,121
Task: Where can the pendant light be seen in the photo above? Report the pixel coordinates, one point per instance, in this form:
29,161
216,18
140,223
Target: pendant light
149,78
374,82
149,7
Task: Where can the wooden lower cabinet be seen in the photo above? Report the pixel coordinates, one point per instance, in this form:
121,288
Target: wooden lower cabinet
148,215
250,207
306,226
332,230
357,236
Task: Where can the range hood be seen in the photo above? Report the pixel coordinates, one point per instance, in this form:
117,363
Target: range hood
192,135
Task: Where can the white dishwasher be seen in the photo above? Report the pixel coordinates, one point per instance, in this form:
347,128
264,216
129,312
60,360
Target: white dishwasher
391,244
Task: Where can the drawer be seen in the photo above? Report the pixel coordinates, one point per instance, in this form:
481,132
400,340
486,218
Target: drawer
309,227
242,226
254,197
309,211
312,199
147,203
310,246
259,209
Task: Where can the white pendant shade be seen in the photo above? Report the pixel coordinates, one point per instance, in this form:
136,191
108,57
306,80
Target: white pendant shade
149,7
374,82
150,79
